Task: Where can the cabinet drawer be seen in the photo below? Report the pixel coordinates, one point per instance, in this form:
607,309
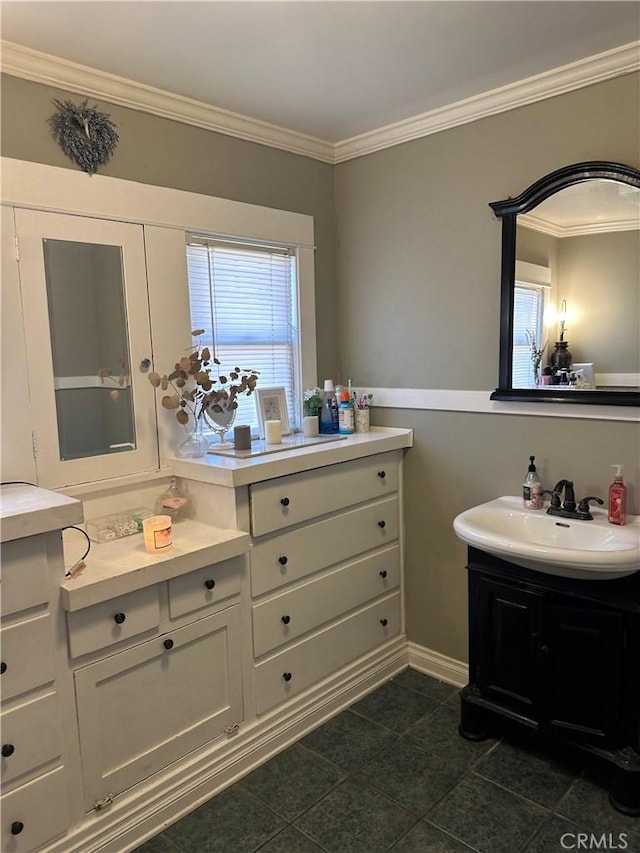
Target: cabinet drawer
300,666
27,657
113,621
25,581
145,707
291,614
296,554
208,587
33,732
279,503
40,808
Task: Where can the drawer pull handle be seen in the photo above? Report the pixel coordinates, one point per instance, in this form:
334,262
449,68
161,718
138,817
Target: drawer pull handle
383,573
283,560
119,618
3,668
384,622
7,749
286,676
382,474
16,827
285,501
210,583
168,644
382,524
286,619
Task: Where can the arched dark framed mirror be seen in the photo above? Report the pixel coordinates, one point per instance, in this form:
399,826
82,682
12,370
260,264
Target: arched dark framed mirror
570,288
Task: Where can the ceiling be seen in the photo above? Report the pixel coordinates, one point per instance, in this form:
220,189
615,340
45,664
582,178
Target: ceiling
331,70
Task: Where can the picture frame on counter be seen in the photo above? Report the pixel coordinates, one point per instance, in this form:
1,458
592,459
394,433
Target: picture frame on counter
271,405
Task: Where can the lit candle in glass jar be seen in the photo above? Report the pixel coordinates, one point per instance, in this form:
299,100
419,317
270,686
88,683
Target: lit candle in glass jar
156,531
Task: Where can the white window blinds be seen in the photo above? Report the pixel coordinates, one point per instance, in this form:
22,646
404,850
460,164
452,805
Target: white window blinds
245,298
527,317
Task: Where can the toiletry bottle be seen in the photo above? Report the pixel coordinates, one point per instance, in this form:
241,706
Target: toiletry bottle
328,412
532,487
618,498
172,502
346,419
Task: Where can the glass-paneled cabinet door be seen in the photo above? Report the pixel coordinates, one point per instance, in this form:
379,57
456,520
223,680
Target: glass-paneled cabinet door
84,292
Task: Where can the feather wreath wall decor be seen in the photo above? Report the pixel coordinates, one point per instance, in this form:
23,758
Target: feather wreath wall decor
87,136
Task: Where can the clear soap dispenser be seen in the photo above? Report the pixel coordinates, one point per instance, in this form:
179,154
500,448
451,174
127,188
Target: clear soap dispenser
532,487
172,502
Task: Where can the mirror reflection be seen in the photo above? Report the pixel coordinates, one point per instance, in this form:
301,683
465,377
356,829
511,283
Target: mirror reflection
577,290
87,321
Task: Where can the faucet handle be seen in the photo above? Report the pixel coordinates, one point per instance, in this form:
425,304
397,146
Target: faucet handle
583,506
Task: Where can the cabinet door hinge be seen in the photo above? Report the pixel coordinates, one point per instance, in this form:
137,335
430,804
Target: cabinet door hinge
233,729
103,802
34,444
17,247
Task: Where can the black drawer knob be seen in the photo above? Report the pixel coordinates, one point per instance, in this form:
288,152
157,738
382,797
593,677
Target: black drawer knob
7,749
286,676
284,501
383,573
16,827
382,474
384,622
283,560
382,524
168,644
119,618
286,619
210,583
3,668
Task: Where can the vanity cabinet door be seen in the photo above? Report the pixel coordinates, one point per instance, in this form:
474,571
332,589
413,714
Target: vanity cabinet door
504,644
146,707
582,657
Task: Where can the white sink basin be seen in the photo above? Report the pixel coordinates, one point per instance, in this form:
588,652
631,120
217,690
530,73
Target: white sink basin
593,550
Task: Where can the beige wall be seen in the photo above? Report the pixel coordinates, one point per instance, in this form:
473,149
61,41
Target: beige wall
419,263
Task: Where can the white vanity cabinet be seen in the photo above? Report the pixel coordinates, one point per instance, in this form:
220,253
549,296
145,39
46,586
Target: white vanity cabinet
325,572
35,806
157,674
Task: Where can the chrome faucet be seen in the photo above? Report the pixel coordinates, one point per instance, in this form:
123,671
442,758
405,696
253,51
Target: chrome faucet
567,508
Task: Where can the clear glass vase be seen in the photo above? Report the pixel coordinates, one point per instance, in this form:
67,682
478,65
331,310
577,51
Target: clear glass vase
196,443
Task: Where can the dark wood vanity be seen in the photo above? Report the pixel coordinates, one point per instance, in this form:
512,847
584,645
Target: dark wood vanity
557,661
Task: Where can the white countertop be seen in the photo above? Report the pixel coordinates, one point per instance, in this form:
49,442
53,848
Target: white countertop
233,472
115,568
29,510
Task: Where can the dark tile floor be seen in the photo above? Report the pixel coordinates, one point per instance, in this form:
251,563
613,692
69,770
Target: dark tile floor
392,773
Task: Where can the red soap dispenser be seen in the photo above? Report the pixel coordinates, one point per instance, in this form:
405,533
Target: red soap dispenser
618,498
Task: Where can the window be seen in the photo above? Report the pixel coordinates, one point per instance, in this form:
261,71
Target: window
246,298
528,311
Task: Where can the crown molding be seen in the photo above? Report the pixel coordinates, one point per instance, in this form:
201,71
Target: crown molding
576,75
39,67
543,226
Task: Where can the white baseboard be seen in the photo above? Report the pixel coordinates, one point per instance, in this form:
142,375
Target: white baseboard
439,666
